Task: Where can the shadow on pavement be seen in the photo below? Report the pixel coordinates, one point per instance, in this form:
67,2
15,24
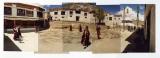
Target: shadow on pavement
9,45
137,42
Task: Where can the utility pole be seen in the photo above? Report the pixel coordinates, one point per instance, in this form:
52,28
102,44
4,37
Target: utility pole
123,18
137,15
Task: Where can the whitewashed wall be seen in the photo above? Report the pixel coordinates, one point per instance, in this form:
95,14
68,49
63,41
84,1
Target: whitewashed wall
67,17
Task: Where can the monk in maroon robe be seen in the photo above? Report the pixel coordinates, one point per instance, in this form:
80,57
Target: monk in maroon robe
85,38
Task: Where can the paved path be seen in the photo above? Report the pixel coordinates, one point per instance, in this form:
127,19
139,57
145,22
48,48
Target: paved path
30,40
125,34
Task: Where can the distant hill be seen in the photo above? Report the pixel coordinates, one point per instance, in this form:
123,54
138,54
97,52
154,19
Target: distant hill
80,6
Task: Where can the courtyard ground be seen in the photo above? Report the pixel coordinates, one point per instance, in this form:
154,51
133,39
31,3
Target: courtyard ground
58,38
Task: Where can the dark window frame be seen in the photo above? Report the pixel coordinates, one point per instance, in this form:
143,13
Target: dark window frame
110,18
70,15
78,12
70,12
62,12
7,11
29,13
85,14
55,13
85,17
21,12
62,16
39,14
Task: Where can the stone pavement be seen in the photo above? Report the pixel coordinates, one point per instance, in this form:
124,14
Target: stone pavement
59,39
125,34
50,40
30,40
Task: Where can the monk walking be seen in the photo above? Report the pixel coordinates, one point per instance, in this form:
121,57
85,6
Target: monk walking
85,38
80,28
98,31
70,27
20,35
15,31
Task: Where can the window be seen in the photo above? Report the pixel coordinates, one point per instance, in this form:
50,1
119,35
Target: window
70,16
62,16
85,17
78,12
29,13
39,14
20,12
55,13
106,15
110,18
85,14
71,12
90,12
55,17
7,11
62,12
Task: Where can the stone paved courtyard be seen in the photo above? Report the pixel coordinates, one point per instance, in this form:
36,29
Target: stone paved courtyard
58,39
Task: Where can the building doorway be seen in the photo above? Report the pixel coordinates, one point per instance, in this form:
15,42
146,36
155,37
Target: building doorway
77,18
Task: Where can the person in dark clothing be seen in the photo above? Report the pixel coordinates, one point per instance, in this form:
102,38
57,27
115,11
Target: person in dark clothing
80,28
85,38
134,28
15,31
19,31
98,31
70,28
37,26
19,34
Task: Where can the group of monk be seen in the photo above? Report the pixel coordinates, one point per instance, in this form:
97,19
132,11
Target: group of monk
85,40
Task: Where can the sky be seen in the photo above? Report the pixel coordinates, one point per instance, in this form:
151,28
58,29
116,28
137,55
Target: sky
52,6
113,9
134,7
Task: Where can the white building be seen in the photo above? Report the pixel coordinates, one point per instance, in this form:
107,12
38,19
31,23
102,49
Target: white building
112,20
72,15
83,16
129,15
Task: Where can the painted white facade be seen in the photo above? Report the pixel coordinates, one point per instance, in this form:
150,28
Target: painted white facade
112,20
130,15
88,18
109,20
